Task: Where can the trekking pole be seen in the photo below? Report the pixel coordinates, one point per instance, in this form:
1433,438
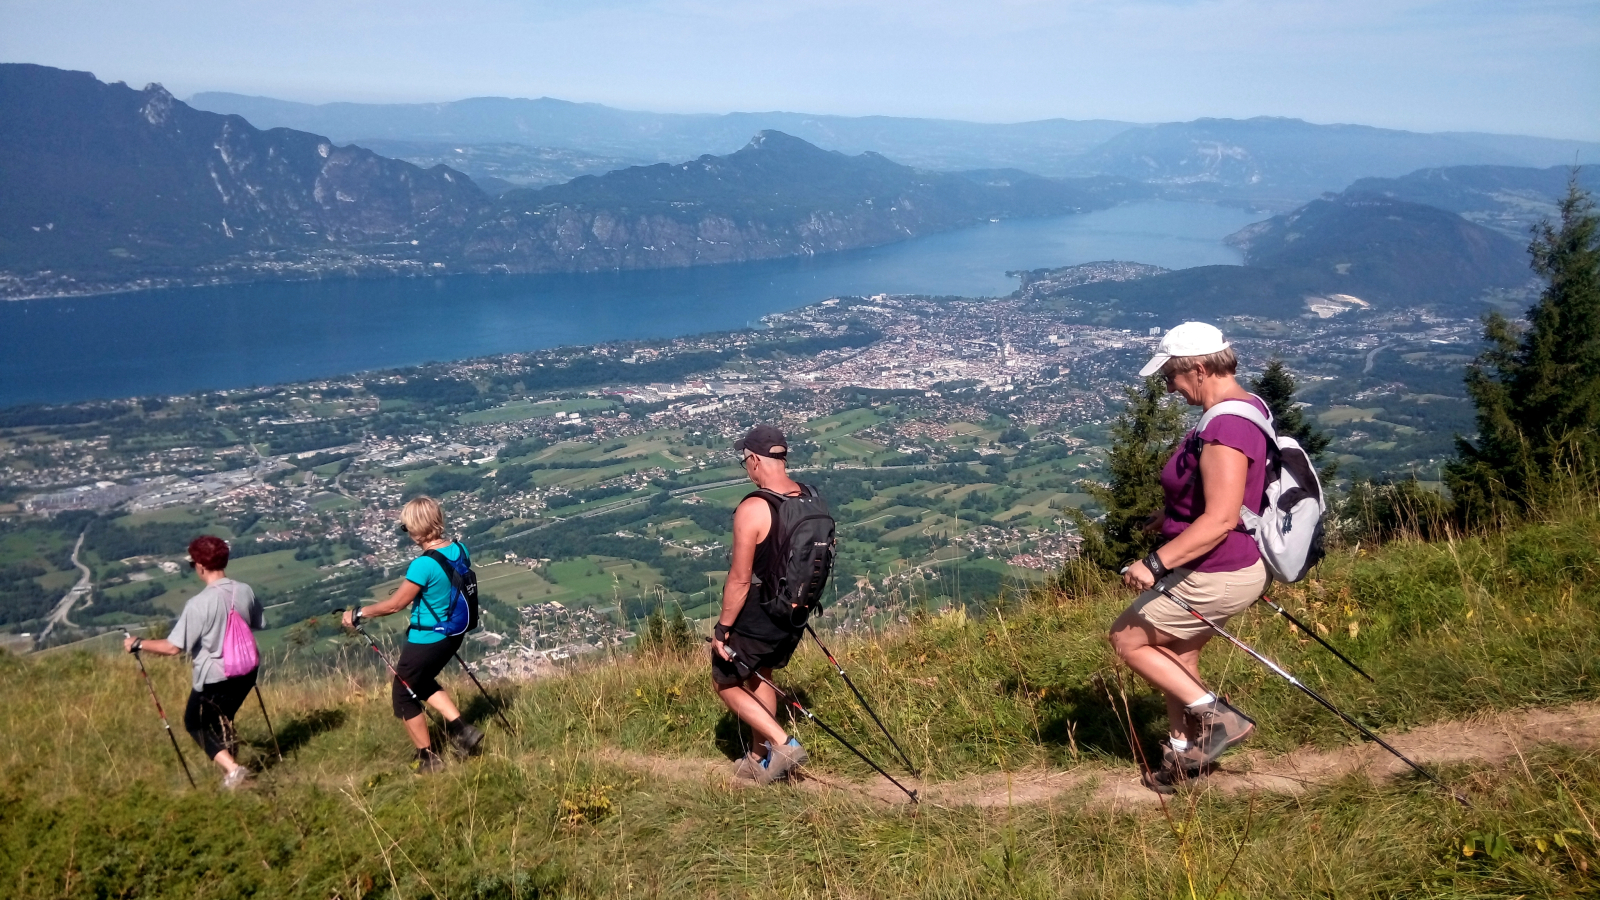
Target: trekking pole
269,724
864,705
162,713
1297,623
834,734
1310,693
492,705
374,645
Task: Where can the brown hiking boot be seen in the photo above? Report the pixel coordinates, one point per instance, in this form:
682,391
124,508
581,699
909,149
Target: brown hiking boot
1220,726
780,762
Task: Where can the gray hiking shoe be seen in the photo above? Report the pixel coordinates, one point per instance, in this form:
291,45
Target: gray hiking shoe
1177,769
464,738
235,779
747,767
781,761
427,762
1220,726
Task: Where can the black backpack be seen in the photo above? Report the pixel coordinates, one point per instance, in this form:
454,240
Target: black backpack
792,586
462,615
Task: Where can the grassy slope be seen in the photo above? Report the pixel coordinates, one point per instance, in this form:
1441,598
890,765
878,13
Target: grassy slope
93,804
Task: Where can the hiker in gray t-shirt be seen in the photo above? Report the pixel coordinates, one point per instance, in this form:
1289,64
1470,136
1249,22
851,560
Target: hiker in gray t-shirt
200,632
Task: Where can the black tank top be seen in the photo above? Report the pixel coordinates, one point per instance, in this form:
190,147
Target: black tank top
753,620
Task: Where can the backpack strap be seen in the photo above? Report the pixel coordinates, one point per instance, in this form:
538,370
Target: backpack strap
450,574
1244,410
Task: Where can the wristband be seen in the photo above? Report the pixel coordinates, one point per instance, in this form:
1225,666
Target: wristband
137,643
1154,564
355,619
721,632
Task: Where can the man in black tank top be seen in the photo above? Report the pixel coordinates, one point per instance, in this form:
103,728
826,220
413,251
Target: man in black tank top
746,640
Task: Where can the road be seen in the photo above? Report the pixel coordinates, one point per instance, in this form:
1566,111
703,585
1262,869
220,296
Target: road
79,590
1373,356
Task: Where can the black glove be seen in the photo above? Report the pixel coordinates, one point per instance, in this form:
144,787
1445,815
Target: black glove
721,632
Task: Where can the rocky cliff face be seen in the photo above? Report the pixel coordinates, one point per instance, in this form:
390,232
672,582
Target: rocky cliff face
100,176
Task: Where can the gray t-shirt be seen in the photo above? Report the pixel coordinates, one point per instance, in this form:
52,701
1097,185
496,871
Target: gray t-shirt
203,622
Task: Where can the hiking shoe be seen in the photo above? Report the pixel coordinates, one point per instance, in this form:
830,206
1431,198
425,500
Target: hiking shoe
464,738
1177,769
747,767
1220,726
781,761
427,762
233,780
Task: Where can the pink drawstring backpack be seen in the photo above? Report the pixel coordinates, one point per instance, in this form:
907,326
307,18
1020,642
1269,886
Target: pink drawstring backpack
239,656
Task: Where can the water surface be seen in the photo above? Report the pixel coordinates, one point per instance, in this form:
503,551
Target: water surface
179,340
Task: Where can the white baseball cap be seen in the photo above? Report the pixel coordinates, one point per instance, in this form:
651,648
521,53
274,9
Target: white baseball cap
1188,339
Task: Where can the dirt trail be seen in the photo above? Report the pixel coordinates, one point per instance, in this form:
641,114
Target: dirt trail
1494,739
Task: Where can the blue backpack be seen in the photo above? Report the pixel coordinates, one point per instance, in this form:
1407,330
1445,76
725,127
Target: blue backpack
462,616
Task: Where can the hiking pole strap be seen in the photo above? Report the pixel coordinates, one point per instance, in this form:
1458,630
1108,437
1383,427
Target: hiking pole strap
835,735
862,700
492,705
1367,732
1330,648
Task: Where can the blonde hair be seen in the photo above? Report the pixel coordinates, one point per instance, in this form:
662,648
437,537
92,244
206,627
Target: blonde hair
1222,362
423,519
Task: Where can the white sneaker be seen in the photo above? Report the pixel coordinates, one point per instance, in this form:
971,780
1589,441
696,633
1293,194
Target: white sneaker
234,779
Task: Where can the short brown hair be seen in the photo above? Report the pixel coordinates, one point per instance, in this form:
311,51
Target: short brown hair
423,519
210,552
1222,362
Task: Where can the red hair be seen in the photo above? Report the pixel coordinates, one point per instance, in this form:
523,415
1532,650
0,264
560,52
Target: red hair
208,551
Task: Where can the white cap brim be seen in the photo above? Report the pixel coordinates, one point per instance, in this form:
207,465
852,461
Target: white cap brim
1154,365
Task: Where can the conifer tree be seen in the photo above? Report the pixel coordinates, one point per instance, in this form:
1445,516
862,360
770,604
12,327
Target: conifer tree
1537,389
1276,388
1143,437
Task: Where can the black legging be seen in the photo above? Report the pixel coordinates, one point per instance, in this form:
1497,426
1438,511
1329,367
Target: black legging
208,708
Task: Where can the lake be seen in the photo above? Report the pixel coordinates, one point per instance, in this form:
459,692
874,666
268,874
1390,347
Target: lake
180,340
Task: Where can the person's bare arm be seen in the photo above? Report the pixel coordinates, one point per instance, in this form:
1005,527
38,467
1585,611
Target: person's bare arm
751,522
400,599
158,646
1222,476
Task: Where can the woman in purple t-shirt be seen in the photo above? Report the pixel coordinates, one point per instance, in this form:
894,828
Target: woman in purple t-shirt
1206,558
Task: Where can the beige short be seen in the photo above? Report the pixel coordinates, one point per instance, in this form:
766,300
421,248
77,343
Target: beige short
1218,596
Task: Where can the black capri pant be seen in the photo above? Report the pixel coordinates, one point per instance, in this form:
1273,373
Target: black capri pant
419,665
208,717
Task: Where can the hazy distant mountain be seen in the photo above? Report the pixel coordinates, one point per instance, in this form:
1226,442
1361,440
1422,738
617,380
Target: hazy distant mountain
1046,147
1284,162
497,168
1384,252
111,182
778,196
1506,198
105,188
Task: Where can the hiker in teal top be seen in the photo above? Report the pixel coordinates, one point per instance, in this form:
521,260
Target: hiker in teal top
426,589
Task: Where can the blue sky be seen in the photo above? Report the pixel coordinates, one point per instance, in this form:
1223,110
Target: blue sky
1513,66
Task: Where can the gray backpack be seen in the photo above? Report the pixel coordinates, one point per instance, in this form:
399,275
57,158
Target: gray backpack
1289,530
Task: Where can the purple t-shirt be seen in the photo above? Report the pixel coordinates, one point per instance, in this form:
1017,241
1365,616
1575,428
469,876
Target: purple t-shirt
1186,497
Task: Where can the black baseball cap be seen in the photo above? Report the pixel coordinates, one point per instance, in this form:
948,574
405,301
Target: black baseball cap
764,440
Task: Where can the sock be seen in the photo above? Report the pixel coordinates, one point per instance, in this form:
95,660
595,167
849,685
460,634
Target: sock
424,752
793,742
454,725
1208,698
1178,744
